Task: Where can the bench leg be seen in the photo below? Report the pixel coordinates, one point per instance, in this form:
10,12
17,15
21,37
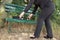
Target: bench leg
2,22
9,27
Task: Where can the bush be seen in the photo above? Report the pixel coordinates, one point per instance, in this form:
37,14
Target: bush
3,15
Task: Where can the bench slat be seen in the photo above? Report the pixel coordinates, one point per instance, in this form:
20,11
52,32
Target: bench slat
21,21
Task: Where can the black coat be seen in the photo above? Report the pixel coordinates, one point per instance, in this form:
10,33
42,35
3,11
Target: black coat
38,3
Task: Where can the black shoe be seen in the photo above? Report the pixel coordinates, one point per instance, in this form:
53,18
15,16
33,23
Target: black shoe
33,37
47,37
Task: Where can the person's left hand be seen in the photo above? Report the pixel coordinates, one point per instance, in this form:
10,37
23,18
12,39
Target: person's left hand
30,16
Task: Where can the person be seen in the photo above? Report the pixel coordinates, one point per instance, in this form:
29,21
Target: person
47,9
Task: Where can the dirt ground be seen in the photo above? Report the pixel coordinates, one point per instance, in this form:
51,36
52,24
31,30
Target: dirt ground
4,35
17,35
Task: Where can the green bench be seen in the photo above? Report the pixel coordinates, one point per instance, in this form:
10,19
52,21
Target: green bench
11,8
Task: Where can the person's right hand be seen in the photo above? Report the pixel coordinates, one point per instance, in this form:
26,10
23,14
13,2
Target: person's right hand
21,15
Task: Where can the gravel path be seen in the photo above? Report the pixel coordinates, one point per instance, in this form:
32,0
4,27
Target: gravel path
4,35
17,35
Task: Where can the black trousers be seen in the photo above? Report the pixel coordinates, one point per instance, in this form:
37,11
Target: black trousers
44,16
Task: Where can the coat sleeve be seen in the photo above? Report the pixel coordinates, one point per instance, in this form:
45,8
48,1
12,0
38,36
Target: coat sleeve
29,5
35,9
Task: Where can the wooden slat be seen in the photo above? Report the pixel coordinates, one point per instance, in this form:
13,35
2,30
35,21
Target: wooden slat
20,21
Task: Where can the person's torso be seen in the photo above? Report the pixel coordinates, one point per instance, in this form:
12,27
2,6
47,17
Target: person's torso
42,3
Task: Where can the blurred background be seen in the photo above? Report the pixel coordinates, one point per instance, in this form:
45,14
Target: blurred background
23,27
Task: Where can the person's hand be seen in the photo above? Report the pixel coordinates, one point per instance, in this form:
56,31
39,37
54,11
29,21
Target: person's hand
30,16
21,15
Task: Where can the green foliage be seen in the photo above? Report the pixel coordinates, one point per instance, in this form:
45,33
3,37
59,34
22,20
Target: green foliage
56,16
58,4
18,2
3,15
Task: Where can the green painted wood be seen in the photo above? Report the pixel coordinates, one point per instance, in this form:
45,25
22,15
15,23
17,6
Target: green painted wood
21,21
12,8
